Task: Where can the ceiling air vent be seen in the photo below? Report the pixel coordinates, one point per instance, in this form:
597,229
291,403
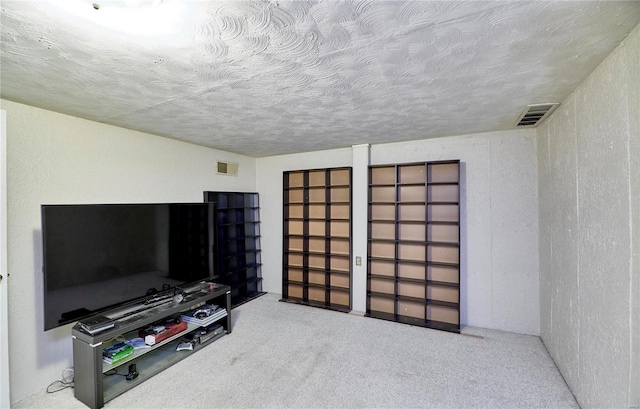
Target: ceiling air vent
227,168
535,113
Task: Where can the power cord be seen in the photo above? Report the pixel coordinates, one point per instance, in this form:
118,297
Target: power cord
112,372
117,338
64,383
133,372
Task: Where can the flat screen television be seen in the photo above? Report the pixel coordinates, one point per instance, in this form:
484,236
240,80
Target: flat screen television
99,256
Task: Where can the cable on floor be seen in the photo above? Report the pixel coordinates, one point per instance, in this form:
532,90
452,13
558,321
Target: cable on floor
64,383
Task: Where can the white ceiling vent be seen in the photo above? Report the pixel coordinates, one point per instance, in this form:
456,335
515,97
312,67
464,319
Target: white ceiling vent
533,114
227,168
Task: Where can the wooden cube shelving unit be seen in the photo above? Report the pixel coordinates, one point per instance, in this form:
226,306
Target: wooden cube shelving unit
317,238
414,244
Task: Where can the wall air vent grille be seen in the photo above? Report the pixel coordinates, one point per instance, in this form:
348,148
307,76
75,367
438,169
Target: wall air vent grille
534,114
227,168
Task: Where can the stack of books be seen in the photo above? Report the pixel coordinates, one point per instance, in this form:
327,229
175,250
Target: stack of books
117,352
204,315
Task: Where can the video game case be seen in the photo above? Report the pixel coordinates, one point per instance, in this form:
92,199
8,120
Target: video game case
118,349
96,324
211,332
117,357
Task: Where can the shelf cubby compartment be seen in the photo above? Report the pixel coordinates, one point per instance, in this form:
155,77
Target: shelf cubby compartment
443,232
317,277
340,177
316,261
382,212
295,275
411,232
381,304
341,297
382,249
340,228
295,196
381,230
317,244
317,294
316,227
414,244
382,286
340,194
412,194
316,195
411,251
443,193
339,263
382,268
443,274
317,238
412,174
412,289
341,211
443,172
411,271
295,211
295,243
317,211
340,281
443,254
295,290
340,246
443,211
317,178
383,194
383,175
294,227
411,309
411,212
443,314
295,179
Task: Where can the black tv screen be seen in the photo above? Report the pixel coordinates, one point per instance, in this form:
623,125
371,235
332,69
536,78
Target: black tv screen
97,257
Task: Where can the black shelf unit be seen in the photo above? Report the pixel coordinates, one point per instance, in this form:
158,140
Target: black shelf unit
238,255
413,268
317,238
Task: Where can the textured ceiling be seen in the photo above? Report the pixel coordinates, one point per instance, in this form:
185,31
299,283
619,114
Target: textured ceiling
271,77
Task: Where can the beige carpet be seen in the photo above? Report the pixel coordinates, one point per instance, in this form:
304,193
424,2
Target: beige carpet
282,355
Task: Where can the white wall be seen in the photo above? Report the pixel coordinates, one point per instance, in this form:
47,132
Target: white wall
269,182
589,186
499,219
55,158
5,401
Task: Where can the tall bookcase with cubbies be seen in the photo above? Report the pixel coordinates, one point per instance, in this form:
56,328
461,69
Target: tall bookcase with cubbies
414,244
317,238
238,255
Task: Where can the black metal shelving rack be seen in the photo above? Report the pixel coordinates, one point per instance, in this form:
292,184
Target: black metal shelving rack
238,254
317,238
413,273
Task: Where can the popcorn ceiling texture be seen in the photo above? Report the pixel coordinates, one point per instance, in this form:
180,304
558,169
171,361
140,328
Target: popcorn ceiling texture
263,78
589,195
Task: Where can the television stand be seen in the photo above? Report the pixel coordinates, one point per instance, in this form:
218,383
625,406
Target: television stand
92,384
